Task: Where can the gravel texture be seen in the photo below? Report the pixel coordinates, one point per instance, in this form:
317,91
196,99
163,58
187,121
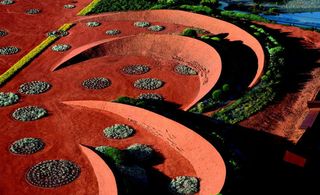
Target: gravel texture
148,84
34,87
61,47
53,173
9,50
93,24
156,28
7,99
27,146
57,33
33,11
29,113
96,83
141,24
184,185
7,2
69,6
150,96
3,33
185,70
113,32
136,69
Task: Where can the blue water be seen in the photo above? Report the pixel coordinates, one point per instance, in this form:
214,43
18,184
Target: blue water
304,19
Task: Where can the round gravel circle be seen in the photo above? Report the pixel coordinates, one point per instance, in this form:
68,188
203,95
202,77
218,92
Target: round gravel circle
26,146
34,87
96,83
61,47
7,99
9,50
113,32
185,70
29,113
3,33
7,2
150,96
33,11
136,69
53,173
156,28
118,131
142,24
148,83
93,24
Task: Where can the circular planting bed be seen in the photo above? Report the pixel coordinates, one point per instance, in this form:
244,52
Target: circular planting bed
7,99
93,24
118,131
9,50
156,28
140,152
29,113
27,146
69,6
61,47
185,70
141,24
7,2
150,96
136,69
53,173
148,84
57,33
113,32
34,87
184,185
3,33
96,83
33,11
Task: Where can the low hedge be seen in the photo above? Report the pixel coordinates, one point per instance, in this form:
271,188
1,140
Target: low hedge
238,15
31,55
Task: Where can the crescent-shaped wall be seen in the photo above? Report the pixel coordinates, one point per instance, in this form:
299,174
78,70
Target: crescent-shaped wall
191,19
195,53
205,159
106,180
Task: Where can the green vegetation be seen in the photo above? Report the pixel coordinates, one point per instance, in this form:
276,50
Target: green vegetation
264,92
88,9
189,32
238,15
31,55
197,9
115,155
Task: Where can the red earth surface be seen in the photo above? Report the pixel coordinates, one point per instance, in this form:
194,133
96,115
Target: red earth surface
66,126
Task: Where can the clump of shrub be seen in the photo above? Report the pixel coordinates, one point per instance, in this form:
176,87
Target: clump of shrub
53,173
9,50
93,24
7,99
7,2
156,28
33,11
113,32
96,83
34,87
136,69
3,33
209,3
115,155
184,185
140,152
26,146
197,9
148,84
61,47
185,70
238,15
57,33
135,174
142,24
69,6
150,96
189,32
118,131
29,113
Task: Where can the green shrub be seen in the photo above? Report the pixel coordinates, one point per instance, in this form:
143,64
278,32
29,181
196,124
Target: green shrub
216,94
209,3
189,32
238,15
115,155
197,9
225,87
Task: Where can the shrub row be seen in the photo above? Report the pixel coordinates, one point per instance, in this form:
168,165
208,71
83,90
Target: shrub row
238,15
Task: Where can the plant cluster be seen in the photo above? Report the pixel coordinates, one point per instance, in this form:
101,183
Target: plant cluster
156,28
184,185
148,84
33,11
53,173
26,146
9,50
238,15
136,69
135,173
150,96
118,131
61,47
185,70
7,99
96,83
121,5
140,152
142,24
93,24
34,87
115,155
69,6
57,33
29,113
7,2
3,33
113,32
